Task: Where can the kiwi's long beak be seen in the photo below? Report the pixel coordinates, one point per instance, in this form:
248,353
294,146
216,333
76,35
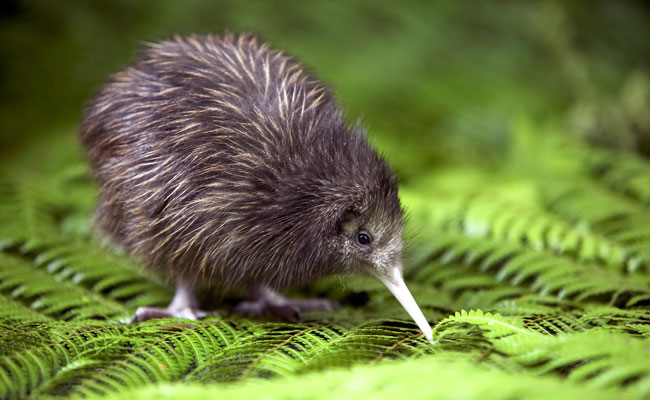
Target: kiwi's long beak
395,283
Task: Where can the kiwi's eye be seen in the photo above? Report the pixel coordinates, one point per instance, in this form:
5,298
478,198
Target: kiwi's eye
364,238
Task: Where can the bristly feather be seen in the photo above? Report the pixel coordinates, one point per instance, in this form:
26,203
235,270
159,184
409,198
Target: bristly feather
222,161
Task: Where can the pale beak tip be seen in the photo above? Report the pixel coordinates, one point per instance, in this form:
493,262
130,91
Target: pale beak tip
395,284
428,334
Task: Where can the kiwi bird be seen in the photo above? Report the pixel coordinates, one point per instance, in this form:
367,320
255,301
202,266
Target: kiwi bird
224,164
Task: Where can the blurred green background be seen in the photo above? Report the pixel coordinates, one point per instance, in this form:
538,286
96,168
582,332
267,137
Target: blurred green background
435,82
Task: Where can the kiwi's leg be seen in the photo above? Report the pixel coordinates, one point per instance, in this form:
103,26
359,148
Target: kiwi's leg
264,300
183,305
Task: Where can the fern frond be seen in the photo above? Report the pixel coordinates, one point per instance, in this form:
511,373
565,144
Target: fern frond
87,264
485,215
601,359
53,297
621,220
99,357
440,376
541,272
161,351
625,173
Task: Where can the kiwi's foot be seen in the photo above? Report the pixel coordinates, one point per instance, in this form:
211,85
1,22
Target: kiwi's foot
184,305
145,313
264,300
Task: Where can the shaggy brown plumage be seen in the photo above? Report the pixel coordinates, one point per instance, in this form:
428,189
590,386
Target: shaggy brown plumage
223,162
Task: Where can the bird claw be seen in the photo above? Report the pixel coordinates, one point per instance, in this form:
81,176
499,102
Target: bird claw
256,308
269,302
